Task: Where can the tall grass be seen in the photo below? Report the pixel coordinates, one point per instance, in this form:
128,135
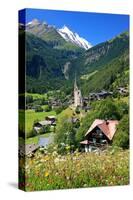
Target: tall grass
52,171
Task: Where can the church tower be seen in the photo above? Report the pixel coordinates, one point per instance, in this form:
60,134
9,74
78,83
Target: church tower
77,95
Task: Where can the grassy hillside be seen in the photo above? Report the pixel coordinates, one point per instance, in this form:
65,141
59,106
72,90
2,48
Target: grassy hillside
105,66
110,76
45,65
101,54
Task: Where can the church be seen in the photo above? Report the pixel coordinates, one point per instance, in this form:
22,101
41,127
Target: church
78,101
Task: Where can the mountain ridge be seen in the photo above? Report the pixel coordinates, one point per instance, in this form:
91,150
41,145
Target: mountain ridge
51,33
50,68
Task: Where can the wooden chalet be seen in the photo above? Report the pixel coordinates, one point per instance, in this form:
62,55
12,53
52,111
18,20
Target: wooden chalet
99,135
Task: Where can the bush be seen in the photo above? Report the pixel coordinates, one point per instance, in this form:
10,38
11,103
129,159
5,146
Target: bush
58,110
48,108
38,109
121,138
107,109
65,134
85,124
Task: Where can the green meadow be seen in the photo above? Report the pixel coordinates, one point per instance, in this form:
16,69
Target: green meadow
53,171
36,95
31,116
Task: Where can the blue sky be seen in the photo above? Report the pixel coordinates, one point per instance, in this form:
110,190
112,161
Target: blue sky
94,27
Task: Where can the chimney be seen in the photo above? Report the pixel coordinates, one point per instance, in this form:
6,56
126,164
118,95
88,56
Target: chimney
107,122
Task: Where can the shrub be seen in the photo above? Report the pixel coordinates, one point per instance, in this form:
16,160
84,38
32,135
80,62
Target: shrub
58,110
38,109
65,134
85,124
107,109
121,138
48,108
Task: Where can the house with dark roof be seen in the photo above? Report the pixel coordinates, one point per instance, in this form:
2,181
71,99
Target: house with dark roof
99,95
99,135
51,118
41,126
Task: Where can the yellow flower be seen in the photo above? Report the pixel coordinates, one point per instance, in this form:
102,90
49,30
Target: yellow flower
46,174
46,158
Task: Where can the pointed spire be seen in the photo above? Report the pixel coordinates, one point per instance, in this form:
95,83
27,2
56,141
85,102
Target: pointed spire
75,83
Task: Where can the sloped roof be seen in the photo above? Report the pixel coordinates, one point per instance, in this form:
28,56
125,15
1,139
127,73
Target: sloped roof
44,123
107,127
51,117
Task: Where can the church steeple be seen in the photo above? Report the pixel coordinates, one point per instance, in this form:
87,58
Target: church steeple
77,94
75,83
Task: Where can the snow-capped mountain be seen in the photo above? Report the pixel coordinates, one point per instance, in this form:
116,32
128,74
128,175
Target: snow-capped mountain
44,30
69,36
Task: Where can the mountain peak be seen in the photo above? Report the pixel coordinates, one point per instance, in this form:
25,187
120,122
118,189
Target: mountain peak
65,28
33,22
70,36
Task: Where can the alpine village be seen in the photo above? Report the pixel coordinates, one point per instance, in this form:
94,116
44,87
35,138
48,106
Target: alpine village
74,128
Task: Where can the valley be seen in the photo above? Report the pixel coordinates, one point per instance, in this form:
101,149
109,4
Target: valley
74,120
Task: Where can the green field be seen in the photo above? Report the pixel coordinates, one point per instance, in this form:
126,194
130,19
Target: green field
31,116
37,96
